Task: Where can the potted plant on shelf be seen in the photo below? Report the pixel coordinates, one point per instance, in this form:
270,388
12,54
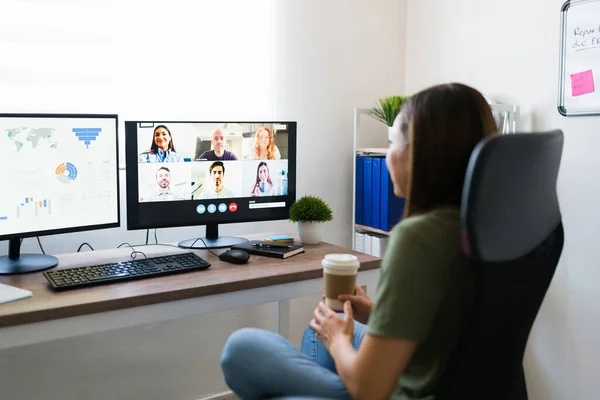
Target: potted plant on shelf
310,213
387,110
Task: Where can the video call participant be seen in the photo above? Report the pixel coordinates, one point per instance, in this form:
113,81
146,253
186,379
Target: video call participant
263,185
217,190
162,148
218,152
164,193
264,145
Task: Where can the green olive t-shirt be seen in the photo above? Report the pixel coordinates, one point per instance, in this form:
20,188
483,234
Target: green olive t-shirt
425,293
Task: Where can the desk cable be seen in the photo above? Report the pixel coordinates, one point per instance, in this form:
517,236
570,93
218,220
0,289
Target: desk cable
39,242
193,243
205,246
135,252
85,244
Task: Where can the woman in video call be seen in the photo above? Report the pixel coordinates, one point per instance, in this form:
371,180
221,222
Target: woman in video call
397,347
264,145
263,185
162,148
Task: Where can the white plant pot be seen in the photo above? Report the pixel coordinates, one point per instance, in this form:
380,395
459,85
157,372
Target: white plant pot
310,232
391,131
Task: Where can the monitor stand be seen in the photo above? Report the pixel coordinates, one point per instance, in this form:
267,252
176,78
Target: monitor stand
212,240
17,263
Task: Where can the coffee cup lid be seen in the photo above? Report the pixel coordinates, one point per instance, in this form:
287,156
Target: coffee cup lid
340,260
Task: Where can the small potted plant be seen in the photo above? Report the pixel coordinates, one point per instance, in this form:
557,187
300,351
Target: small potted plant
387,110
310,213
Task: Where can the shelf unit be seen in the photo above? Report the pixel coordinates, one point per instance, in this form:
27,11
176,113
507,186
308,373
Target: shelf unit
373,147
372,150
506,117
369,229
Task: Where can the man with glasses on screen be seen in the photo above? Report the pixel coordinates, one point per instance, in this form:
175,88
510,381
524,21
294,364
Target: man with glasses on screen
217,189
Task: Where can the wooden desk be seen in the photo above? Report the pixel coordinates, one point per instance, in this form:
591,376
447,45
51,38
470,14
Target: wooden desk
49,315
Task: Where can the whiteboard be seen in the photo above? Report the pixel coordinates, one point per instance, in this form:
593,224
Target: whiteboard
579,73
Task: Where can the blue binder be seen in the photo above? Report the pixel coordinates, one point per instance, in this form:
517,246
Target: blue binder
392,207
358,194
375,211
367,191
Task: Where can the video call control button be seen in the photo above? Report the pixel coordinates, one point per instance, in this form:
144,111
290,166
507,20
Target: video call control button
233,207
212,208
222,207
201,209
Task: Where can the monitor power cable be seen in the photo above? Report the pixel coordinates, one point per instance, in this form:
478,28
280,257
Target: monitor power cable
40,243
205,246
85,244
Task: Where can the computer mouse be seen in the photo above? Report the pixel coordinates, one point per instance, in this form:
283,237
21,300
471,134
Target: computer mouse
235,256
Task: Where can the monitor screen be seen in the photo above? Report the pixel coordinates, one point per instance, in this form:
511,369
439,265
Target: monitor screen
203,173
63,174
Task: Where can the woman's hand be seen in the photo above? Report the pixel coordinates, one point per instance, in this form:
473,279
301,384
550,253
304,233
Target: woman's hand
329,326
256,191
362,305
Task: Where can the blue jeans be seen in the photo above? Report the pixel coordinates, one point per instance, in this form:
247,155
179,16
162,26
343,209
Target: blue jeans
259,364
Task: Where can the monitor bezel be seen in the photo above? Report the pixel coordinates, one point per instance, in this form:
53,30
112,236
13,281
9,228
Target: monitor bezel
78,228
132,189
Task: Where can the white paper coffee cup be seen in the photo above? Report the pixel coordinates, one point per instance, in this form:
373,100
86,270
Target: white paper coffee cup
339,274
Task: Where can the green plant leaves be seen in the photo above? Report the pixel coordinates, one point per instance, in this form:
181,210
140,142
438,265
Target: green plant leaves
388,108
310,208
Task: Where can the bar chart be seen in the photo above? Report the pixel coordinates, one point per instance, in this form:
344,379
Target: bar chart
87,135
31,207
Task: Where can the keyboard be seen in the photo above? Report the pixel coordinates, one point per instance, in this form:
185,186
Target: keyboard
72,278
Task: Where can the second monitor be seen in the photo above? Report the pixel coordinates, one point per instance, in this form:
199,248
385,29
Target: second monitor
183,173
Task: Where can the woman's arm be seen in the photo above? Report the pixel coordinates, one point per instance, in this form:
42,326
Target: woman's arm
371,373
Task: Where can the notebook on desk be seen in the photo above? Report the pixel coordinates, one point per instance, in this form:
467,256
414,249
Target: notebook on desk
269,249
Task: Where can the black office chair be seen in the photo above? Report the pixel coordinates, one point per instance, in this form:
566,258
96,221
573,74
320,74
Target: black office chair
512,232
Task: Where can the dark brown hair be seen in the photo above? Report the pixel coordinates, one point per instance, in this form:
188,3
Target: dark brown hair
441,126
217,164
154,147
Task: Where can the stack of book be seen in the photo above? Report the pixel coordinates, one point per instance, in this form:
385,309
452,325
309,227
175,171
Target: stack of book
376,205
269,249
279,239
371,243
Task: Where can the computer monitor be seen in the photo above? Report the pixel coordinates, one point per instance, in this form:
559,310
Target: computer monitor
248,173
61,176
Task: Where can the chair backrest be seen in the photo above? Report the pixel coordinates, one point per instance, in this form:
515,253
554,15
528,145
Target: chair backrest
512,232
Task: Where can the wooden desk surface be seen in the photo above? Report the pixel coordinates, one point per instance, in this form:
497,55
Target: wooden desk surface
222,277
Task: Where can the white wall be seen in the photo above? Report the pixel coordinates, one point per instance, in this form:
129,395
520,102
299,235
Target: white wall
509,50
330,57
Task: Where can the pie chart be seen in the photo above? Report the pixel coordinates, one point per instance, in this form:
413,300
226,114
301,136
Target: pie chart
66,172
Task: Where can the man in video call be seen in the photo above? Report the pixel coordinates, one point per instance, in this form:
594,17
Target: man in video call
163,180
218,152
217,190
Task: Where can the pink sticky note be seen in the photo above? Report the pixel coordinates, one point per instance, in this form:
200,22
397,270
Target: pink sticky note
582,83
